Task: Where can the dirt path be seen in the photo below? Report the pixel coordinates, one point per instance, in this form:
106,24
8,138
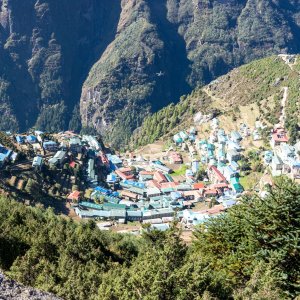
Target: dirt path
216,101
283,105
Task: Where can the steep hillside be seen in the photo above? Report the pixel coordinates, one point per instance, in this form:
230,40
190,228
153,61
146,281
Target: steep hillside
249,252
175,46
108,64
252,92
46,50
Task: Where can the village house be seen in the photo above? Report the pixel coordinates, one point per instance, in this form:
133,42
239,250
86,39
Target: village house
235,136
233,156
215,175
3,159
37,162
50,146
91,172
115,161
75,145
276,164
228,172
31,139
177,139
20,139
278,136
129,195
286,151
74,196
59,158
159,177
153,192
161,168
175,158
125,173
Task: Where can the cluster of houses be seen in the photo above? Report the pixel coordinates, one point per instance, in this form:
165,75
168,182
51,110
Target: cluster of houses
219,153
284,158
147,191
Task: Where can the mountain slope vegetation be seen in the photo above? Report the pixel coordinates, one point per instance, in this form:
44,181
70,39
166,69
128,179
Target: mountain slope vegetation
250,252
108,64
257,86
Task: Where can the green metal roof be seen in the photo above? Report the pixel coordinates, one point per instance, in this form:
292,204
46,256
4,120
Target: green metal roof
91,205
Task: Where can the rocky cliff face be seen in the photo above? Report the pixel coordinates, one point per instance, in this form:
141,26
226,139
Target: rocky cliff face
164,49
46,49
11,290
123,59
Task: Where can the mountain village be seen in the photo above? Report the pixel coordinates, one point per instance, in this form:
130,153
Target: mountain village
197,176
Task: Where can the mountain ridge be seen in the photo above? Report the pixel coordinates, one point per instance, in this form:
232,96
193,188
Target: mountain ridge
107,65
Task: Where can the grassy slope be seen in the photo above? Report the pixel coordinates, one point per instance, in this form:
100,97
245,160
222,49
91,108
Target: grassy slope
253,91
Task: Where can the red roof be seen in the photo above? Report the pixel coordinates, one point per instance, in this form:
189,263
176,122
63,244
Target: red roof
218,173
74,195
72,164
198,186
160,177
153,183
175,157
165,185
129,194
279,135
146,173
123,175
211,192
218,185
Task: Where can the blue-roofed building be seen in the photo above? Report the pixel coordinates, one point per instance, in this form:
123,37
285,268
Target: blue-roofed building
229,173
237,187
102,190
131,183
3,159
116,160
111,178
5,151
175,196
177,139
19,139
50,146
192,130
192,137
234,166
221,155
31,139
195,166
183,135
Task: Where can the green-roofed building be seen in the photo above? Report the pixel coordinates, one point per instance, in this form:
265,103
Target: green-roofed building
112,206
91,205
169,177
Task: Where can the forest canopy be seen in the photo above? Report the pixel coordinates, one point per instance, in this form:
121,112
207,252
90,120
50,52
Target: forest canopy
250,252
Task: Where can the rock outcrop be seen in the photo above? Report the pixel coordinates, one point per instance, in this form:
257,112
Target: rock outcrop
11,290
